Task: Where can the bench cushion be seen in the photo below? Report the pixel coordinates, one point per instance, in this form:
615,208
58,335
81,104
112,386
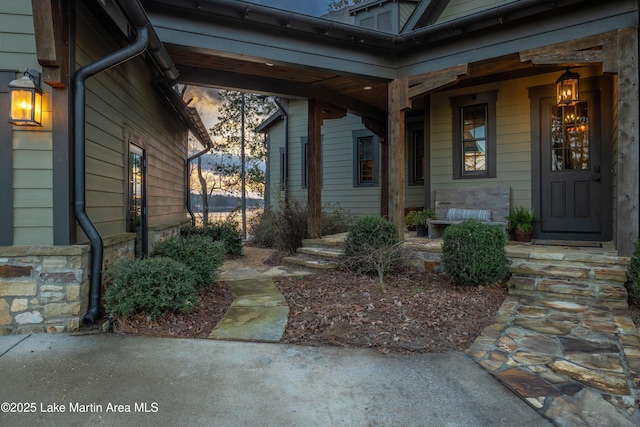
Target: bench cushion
457,214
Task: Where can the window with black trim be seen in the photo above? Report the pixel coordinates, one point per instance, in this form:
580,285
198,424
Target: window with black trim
304,150
365,157
474,135
416,156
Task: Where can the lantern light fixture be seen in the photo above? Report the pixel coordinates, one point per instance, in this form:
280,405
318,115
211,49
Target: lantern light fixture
568,89
26,100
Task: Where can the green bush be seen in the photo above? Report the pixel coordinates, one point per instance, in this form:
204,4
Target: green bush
227,232
202,255
151,286
634,269
474,253
372,246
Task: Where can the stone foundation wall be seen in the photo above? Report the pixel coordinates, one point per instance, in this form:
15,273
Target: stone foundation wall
46,288
160,233
43,288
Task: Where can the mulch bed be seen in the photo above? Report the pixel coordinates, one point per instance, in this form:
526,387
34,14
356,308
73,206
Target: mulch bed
416,312
197,323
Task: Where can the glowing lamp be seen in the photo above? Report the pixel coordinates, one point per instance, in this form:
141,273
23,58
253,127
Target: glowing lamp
26,100
568,89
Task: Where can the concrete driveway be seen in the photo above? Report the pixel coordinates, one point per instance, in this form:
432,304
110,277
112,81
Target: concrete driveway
108,380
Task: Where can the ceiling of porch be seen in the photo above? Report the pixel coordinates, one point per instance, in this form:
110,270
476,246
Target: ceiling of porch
226,44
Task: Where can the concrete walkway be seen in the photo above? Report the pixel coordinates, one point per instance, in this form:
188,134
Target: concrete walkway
128,380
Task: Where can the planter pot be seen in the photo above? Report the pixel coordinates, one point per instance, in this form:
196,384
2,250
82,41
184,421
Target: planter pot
421,230
522,236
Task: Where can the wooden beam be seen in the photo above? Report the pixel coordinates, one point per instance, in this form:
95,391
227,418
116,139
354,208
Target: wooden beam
330,111
628,139
397,106
567,59
428,82
237,81
564,47
314,166
50,23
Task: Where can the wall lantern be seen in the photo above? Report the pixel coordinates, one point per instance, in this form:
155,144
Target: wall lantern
26,100
568,89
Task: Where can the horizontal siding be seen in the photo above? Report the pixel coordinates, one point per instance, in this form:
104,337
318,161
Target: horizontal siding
116,99
33,235
458,8
32,157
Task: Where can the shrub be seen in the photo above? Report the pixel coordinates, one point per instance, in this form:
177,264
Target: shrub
262,228
202,255
473,253
372,247
151,286
227,232
284,226
634,269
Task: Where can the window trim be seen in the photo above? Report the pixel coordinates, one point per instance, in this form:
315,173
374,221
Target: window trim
457,105
357,134
412,130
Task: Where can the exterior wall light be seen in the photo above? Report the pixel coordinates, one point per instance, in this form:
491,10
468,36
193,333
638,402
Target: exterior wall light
26,100
568,89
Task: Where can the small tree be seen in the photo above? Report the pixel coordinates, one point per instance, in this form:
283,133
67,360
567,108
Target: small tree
372,247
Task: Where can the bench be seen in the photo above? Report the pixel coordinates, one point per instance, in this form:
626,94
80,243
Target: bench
490,205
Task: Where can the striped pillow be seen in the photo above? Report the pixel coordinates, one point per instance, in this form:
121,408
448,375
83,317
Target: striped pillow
457,214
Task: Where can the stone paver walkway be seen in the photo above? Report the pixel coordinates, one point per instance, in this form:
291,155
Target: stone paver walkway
578,363
259,311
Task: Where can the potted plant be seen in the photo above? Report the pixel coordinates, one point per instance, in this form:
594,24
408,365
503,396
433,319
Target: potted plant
521,222
419,219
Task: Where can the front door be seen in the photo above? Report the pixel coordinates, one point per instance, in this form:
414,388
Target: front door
574,171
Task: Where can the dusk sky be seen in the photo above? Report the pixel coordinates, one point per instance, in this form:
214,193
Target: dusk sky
307,7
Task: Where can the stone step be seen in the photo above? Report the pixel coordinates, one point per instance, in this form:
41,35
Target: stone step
569,270
333,241
569,289
322,251
312,263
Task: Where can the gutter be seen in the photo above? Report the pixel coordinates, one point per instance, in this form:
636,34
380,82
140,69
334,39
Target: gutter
286,146
146,40
79,203
188,180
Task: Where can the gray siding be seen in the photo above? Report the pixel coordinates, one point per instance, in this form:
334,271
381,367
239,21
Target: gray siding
458,8
118,98
32,162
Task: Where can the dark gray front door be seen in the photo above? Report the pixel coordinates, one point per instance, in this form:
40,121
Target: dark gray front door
571,199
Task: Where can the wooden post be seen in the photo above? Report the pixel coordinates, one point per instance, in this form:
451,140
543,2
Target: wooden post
627,134
398,103
314,166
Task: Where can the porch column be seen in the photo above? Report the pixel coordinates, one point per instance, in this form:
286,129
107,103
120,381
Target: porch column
627,135
398,104
314,167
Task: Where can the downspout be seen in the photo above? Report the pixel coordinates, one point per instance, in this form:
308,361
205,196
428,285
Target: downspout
79,204
188,181
286,148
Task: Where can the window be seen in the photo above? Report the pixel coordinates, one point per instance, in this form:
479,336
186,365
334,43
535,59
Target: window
304,152
304,166
365,155
136,214
570,137
416,156
474,136
283,163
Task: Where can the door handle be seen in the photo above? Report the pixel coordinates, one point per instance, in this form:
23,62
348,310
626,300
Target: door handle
596,178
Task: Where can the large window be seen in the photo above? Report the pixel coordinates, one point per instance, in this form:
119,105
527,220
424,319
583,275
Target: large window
365,155
474,136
